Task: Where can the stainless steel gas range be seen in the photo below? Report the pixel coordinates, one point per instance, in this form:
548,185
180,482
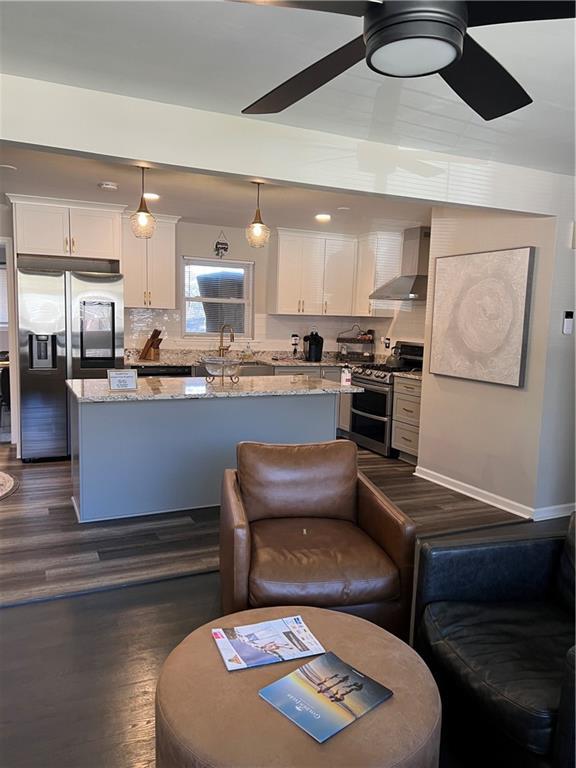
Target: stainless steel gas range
371,411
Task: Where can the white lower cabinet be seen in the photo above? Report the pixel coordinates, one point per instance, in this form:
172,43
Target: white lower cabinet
333,373
406,415
149,265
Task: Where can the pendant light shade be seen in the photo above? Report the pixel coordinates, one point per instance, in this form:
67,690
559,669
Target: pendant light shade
142,222
257,233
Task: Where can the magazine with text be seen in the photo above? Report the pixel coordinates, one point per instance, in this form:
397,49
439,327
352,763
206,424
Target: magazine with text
325,695
268,642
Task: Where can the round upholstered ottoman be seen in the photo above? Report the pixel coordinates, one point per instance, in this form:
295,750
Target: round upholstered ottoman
207,717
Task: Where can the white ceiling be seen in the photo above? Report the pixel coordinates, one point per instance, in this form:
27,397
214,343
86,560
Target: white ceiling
221,56
220,200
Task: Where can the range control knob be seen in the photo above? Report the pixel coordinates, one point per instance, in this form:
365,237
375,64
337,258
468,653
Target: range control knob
357,370
367,372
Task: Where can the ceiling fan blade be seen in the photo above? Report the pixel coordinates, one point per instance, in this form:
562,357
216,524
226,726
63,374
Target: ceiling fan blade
310,79
483,83
345,7
481,12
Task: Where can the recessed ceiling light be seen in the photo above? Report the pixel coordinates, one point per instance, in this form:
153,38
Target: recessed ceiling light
323,218
108,186
343,208
8,167
151,196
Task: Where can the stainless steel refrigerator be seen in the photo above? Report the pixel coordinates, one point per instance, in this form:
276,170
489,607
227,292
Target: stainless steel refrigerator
71,326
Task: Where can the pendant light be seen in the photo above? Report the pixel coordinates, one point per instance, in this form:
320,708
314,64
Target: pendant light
142,222
257,233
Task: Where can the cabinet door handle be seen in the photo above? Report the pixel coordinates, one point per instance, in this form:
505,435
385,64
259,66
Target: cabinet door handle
73,246
66,244
325,307
406,439
145,302
299,302
302,305
407,410
149,298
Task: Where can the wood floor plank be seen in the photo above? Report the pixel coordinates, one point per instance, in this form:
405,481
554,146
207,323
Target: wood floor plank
45,552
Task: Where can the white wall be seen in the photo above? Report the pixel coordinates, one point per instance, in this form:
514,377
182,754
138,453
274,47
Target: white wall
484,435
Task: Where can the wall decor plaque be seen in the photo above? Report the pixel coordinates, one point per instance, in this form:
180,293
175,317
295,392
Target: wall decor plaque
481,314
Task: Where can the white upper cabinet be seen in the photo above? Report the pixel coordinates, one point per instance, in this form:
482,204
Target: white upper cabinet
162,266
94,233
289,279
315,274
379,257
339,272
51,227
42,229
149,265
365,274
134,268
312,276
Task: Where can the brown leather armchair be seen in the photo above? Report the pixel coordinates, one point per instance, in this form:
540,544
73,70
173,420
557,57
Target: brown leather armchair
300,525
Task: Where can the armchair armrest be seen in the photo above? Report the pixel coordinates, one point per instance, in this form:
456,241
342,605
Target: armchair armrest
387,525
564,736
521,569
234,546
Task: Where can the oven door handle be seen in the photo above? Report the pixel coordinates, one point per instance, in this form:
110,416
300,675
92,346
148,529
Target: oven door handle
370,415
381,389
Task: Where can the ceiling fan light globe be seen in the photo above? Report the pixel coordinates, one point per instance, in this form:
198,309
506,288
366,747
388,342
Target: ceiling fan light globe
413,57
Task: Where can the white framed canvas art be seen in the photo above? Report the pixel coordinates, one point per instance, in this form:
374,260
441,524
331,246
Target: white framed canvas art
480,315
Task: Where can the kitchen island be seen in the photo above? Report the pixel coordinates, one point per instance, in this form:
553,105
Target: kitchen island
164,447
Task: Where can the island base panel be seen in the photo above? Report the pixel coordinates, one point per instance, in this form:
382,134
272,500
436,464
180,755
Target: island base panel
150,457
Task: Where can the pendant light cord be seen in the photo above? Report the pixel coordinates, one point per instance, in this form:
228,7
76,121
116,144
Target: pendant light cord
142,169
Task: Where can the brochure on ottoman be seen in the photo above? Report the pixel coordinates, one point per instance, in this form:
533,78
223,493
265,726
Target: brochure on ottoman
325,695
268,642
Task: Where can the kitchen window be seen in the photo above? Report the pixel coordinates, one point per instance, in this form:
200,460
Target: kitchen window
217,292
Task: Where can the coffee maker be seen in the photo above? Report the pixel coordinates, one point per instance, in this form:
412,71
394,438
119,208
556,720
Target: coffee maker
313,344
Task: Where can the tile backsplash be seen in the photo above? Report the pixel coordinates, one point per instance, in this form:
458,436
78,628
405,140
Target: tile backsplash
272,332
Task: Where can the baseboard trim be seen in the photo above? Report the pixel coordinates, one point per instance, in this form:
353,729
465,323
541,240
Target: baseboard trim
560,510
534,513
476,493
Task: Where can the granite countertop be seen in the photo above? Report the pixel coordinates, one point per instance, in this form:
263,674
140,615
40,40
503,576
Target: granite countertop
410,375
187,388
194,357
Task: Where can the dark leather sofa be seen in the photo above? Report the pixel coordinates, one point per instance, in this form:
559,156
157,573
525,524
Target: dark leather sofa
495,622
299,525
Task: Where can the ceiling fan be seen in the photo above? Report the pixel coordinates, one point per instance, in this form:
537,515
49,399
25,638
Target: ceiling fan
411,38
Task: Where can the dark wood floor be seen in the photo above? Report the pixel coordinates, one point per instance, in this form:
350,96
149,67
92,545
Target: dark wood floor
434,509
78,676
45,552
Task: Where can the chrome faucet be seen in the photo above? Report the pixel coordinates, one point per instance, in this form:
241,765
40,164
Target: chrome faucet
222,349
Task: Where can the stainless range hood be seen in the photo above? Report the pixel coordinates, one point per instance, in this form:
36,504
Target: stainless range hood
412,282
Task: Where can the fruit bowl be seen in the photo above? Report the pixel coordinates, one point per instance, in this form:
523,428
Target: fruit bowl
221,367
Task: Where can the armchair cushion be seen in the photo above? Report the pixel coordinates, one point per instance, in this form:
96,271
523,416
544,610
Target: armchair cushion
509,656
311,480
320,562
